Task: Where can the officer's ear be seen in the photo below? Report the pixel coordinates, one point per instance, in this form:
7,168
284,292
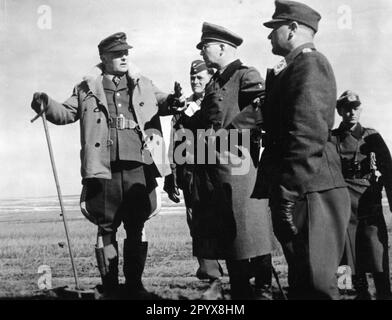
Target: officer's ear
293,27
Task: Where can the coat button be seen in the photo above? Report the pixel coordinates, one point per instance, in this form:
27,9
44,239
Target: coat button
141,104
99,121
117,94
220,99
119,105
224,88
97,144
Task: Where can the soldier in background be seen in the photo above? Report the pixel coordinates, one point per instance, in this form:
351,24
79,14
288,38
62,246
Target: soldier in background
367,168
181,177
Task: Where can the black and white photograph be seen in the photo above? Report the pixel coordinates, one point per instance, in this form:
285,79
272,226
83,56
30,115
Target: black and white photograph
226,150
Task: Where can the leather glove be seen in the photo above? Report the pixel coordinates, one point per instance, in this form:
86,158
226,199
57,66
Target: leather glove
38,98
282,220
176,104
177,101
170,187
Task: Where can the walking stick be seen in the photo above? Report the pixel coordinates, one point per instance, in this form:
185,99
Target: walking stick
278,282
43,116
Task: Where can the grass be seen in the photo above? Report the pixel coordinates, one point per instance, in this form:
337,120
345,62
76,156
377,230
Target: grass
28,241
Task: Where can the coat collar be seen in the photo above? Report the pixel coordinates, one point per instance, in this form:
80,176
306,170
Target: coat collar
94,79
306,47
228,72
357,131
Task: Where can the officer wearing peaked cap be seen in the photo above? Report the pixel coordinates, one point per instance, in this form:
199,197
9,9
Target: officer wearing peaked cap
294,11
115,104
214,33
227,224
299,168
367,168
113,43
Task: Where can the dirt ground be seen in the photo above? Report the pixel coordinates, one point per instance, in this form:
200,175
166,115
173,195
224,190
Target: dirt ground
29,240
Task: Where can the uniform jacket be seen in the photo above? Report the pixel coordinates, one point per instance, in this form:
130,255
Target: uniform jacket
227,223
357,145
88,104
298,115
363,151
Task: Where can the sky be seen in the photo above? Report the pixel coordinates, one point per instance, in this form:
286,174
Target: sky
50,45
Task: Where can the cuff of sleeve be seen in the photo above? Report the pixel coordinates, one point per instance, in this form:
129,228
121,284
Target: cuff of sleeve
281,192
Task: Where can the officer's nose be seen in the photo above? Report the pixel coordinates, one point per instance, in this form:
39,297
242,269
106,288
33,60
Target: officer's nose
270,35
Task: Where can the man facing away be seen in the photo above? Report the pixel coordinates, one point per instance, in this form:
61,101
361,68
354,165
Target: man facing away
300,169
118,111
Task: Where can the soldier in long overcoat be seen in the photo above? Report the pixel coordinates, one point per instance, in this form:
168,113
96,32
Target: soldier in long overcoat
300,169
227,223
367,168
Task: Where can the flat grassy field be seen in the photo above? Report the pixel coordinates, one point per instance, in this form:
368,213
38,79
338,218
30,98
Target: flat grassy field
32,234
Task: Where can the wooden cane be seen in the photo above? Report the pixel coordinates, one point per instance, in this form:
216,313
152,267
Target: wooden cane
43,116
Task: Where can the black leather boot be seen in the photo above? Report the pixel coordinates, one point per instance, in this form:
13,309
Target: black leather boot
383,285
262,271
239,273
361,286
135,255
107,259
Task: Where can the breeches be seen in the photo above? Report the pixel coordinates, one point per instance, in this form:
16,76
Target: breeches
128,197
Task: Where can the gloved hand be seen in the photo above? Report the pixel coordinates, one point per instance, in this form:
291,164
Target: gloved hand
170,187
282,219
177,101
38,98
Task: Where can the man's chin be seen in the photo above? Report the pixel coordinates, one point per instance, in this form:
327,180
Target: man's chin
120,72
275,52
208,63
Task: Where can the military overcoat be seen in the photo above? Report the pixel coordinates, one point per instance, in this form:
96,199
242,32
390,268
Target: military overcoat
299,163
227,223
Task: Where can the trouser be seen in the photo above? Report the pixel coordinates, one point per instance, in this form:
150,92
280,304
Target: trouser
240,271
128,197
208,268
381,280
313,256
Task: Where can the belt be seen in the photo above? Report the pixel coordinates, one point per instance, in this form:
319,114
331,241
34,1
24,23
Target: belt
122,123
